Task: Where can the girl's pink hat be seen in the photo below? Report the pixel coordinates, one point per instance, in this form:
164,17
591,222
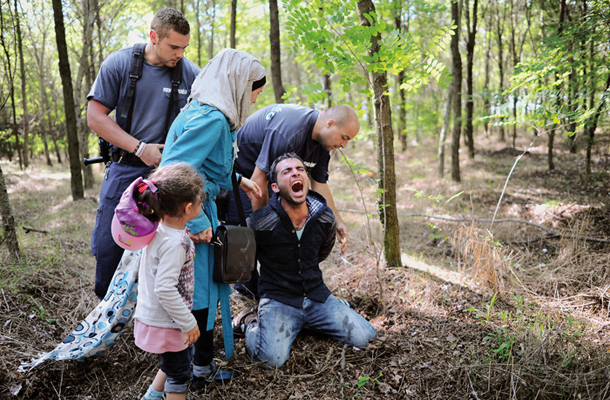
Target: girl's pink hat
130,229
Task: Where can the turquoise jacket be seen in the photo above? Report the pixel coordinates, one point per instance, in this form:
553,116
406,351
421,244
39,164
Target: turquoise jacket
201,136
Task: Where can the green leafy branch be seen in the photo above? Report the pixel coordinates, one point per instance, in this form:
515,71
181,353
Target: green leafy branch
338,44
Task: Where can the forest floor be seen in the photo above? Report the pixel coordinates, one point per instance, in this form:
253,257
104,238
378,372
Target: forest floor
517,309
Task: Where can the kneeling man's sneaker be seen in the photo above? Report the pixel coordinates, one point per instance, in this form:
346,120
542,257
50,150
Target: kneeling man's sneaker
242,320
348,303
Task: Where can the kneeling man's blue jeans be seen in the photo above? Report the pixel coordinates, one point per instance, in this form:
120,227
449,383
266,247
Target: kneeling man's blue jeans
271,338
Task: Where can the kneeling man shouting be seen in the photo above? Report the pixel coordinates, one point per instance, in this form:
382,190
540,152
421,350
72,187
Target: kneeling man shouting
294,233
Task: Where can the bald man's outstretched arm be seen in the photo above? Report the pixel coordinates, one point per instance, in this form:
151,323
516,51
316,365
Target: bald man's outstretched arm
324,190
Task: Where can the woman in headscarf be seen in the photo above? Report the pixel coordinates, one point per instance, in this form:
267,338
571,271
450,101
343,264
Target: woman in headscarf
204,135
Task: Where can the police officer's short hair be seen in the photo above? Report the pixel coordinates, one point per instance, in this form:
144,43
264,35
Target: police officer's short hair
169,19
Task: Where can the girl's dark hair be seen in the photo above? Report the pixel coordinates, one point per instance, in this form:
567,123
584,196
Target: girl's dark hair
177,184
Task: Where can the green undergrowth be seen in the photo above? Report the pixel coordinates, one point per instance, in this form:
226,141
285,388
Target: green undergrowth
53,234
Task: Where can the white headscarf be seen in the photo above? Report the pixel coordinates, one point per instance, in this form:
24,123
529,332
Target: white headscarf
226,83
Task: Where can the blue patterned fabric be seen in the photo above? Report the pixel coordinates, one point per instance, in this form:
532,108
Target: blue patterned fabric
103,326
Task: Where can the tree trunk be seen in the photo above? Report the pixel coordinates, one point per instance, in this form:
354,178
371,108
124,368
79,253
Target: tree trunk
233,23
56,146
53,129
198,30
572,95
551,139
486,92
555,128
24,98
45,115
5,123
39,53
328,90
294,76
76,182
457,93
551,143
593,125
472,33
10,233
583,50
516,48
11,85
212,30
276,61
88,13
442,137
499,31
402,112
515,62
385,149
101,45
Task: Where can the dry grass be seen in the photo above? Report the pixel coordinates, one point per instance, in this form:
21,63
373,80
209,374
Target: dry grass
483,258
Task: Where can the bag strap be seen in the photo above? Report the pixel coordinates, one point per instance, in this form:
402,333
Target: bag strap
240,208
135,72
174,105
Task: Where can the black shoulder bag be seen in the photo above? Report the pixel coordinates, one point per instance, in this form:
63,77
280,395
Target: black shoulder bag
234,247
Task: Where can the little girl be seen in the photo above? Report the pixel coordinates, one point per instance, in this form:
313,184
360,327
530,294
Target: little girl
164,324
